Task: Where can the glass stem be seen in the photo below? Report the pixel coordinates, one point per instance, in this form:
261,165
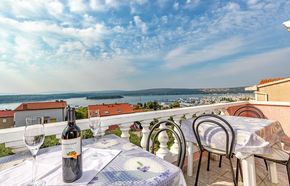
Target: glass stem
34,169
95,138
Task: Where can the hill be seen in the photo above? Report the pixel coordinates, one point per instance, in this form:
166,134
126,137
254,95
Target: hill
117,94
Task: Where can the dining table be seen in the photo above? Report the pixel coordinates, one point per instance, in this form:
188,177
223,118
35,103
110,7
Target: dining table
253,136
132,166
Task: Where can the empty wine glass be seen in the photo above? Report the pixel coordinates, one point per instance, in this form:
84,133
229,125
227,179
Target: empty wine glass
95,126
33,139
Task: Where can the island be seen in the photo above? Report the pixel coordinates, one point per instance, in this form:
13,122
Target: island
105,97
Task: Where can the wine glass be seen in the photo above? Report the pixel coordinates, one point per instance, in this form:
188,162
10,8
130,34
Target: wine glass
33,139
95,126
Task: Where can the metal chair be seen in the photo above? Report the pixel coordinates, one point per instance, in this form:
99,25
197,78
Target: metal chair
257,113
221,123
280,156
178,135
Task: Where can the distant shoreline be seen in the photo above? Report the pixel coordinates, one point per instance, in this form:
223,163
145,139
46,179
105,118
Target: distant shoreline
83,102
117,94
104,97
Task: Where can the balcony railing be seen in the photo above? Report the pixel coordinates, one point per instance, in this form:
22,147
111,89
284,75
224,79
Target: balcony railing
13,137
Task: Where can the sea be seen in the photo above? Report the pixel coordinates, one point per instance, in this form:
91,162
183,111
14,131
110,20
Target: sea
83,102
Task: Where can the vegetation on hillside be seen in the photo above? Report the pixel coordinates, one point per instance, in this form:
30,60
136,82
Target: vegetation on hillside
4,151
227,99
174,104
82,113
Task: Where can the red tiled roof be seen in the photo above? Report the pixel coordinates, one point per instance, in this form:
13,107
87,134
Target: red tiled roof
41,105
6,113
264,81
112,109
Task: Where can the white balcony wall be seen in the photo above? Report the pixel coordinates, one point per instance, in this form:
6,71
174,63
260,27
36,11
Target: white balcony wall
13,137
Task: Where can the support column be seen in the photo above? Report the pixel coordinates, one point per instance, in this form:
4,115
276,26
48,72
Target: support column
249,171
273,172
163,151
189,158
125,130
145,133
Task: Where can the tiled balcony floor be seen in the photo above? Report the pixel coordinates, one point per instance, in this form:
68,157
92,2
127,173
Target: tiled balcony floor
222,176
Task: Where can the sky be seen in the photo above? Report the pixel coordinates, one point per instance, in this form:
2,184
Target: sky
94,45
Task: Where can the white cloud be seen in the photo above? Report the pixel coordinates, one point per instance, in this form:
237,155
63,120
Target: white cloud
55,7
162,3
74,75
244,71
97,5
140,2
119,29
88,35
22,8
176,5
190,4
252,2
140,24
233,6
190,54
77,6
25,49
164,19
111,3
247,70
105,5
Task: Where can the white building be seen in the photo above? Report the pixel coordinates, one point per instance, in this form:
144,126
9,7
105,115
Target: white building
49,111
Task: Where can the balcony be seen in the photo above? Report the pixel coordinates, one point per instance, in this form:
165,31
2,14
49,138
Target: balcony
12,137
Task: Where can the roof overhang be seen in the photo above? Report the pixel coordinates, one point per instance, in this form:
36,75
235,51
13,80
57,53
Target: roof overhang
287,25
252,88
274,82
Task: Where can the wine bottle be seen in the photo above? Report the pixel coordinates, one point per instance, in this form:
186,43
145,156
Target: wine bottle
71,149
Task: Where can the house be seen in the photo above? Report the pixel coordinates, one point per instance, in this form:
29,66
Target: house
276,89
6,119
49,111
110,109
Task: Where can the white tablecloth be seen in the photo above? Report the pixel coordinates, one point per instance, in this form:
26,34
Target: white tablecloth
133,166
253,135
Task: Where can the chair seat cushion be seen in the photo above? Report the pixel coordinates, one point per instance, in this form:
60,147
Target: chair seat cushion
276,155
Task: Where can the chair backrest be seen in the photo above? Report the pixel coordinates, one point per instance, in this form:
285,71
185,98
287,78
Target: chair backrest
241,111
218,124
179,136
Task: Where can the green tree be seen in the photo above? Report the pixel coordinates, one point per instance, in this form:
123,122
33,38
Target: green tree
174,104
140,105
50,141
82,113
227,99
153,105
4,151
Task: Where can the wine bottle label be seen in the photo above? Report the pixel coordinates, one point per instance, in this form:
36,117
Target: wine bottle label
71,148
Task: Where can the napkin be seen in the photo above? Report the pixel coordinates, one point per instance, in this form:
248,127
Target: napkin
50,170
